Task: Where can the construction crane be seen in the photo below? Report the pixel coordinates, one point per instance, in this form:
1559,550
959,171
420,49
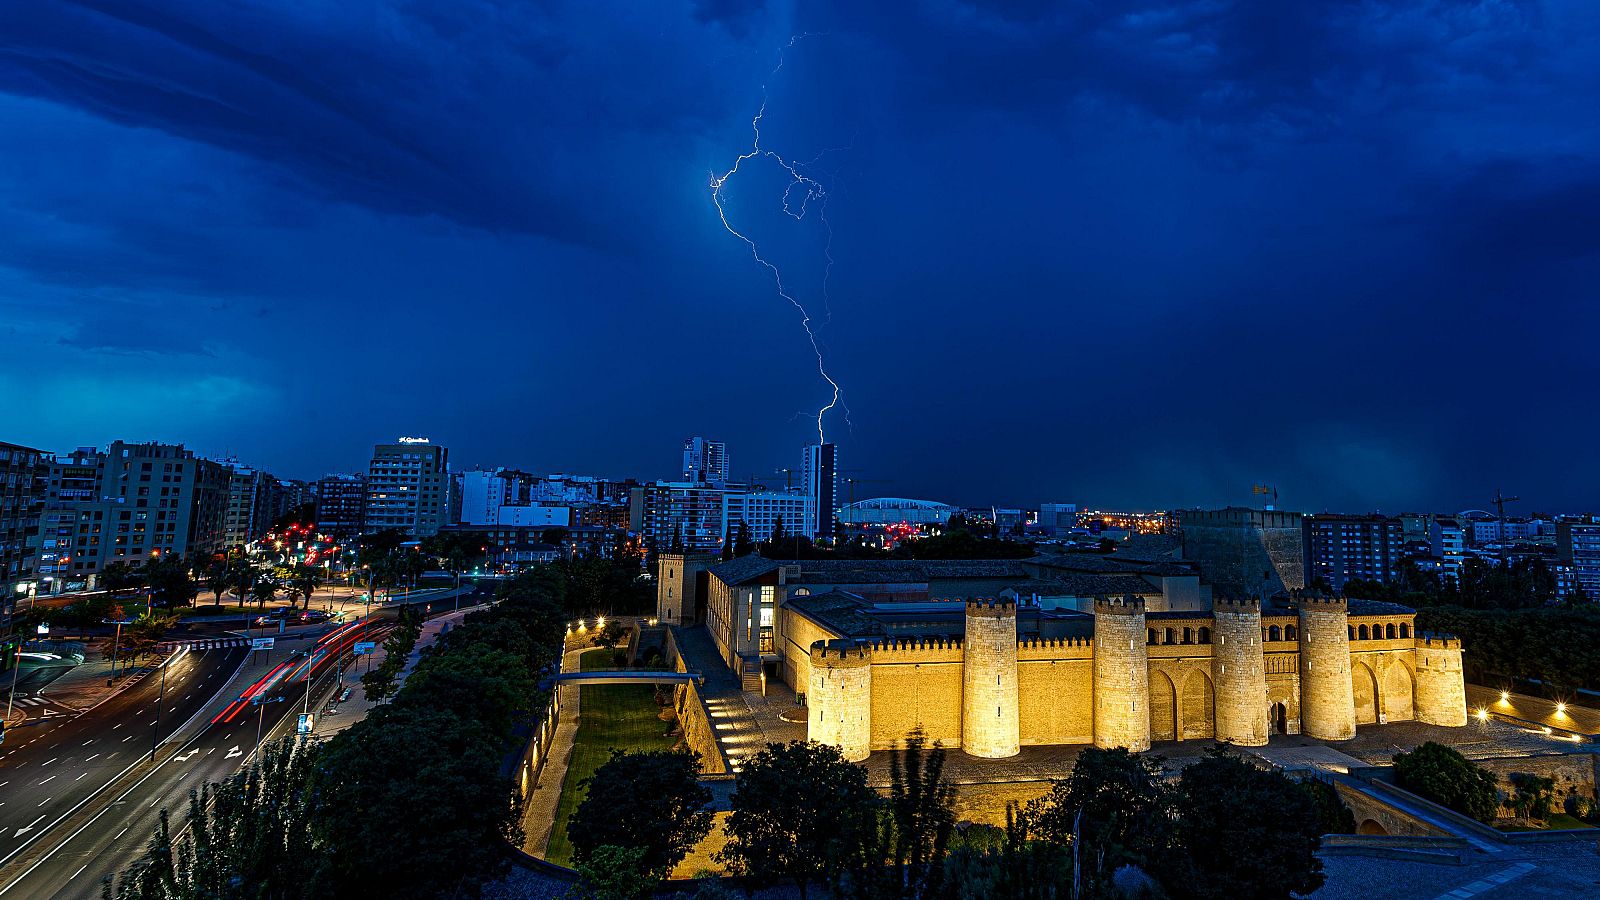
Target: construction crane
788,478
1500,501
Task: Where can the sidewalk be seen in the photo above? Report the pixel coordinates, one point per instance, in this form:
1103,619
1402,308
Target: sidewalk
356,708
83,686
539,813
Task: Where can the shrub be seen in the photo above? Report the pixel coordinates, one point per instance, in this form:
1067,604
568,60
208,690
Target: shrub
1533,797
1443,775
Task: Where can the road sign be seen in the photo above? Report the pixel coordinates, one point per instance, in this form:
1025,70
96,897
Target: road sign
365,647
44,628
261,643
304,725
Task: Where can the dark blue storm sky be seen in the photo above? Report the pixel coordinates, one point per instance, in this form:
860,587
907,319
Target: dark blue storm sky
1137,255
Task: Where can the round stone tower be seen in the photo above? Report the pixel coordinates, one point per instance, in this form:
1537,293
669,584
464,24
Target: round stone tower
1121,674
1441,687
1239,672
990,725
1327,706
840,697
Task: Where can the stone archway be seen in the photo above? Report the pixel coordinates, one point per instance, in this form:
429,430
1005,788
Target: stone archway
1197,709
1364,691
1397,693
1371,826
1278,718
1163,708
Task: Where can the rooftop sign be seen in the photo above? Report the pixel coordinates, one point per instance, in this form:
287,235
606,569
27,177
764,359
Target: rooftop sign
411,440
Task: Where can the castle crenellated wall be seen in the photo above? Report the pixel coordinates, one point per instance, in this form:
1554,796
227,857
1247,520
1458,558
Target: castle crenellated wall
1236,676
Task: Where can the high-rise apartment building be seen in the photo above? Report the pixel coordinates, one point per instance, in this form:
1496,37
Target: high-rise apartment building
341,505
1339,549
408,487
1578,548
683,516
1448,540
22,499
255,499
761,511
705,461
819,480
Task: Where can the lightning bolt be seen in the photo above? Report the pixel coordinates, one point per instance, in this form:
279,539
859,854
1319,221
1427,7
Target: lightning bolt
798,195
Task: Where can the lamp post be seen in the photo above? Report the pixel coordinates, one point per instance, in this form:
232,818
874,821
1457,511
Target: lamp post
116,645
261,716
16,670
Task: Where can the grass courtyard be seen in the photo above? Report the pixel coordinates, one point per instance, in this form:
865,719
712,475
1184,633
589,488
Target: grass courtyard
610,716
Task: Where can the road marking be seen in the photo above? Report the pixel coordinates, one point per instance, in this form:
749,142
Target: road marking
79,872
29,827
234,752
88,742
92,757
127,739
47,781
52,759
121,833
1488,882
80,777
116,726
44,801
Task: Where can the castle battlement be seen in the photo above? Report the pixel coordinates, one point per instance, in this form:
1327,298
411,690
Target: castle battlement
921,644
1065,643
839,652
995,607
1435,641
1119,606
1237,605
1323,602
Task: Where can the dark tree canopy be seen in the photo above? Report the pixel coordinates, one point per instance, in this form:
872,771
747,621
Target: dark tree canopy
1443,775
646,801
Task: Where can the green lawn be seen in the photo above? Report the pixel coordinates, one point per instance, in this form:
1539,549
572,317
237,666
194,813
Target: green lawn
1558,820
621,716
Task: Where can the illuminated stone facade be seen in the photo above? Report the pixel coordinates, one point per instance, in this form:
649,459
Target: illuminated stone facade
1238,672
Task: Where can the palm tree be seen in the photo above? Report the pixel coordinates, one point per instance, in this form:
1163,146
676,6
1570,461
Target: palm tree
218,579
264,589
300,581
243,580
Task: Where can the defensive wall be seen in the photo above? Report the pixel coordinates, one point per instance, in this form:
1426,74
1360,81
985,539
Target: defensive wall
1141,678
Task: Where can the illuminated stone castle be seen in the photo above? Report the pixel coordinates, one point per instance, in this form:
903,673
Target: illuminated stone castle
1238,675
990,676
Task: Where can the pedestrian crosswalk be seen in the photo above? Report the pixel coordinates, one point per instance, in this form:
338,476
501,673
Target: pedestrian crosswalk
195,646
31,701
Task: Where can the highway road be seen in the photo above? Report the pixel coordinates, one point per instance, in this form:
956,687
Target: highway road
108,842
50,765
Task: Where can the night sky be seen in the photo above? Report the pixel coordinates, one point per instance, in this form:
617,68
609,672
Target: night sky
1136,256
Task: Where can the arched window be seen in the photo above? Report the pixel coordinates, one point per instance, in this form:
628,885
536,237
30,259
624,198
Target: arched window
1188,636
1405,630
1274,633
1364,634
1289,633
1352,631
1205,635
800,592
1169,637
1152,639
1388,631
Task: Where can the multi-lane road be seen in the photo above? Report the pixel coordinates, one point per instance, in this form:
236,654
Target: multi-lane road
51,765
81,796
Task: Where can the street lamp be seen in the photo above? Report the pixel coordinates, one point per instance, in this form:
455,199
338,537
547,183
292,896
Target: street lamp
116,644
261,715
155,733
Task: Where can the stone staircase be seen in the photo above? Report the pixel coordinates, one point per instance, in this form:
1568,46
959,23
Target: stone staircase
750,676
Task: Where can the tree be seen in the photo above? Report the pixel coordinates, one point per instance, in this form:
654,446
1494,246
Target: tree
1112,806
121,578
217,578
1332,813
417,804
299,580
1533,796
775,541
248,836
169,582
1224,807
617,873
906,857
1443,775
643,801
799,812
264,590
1014,868
243,581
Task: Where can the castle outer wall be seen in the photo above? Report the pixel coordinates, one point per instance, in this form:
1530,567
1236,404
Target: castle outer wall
1238,675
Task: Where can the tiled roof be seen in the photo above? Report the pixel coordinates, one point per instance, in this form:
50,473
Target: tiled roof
837,611
737,571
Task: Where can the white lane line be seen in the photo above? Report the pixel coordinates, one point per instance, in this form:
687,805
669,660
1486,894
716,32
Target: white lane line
79,872
47,781
52,759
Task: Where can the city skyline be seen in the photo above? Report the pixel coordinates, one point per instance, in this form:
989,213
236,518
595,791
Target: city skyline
1141,260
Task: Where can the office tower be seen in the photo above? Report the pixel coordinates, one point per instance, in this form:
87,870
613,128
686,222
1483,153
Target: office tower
1578,549
22,497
